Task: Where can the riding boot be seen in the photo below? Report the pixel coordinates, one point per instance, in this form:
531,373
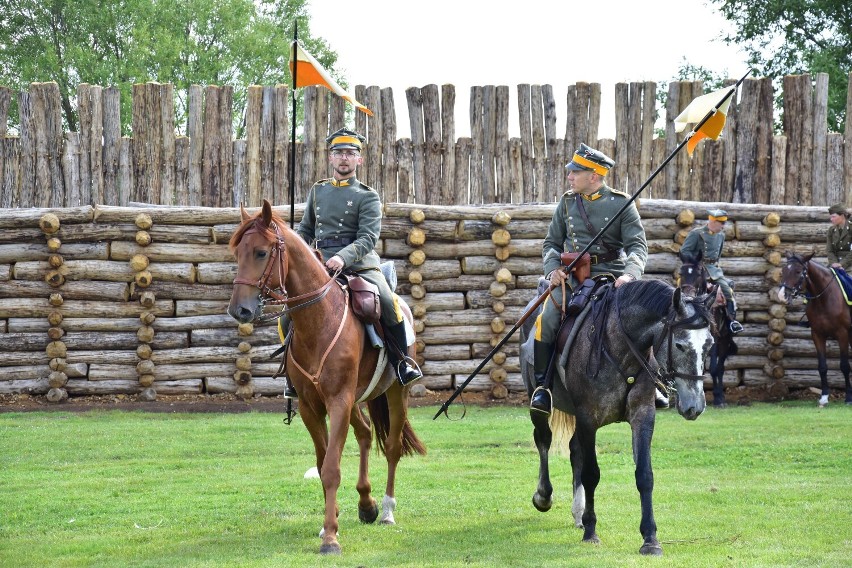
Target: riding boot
406,369
736,326
541,399
580,297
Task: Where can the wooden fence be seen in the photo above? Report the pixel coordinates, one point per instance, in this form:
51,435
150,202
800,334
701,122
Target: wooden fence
204,165
107,299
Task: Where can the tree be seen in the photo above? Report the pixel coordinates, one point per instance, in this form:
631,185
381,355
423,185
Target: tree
121,42
783,37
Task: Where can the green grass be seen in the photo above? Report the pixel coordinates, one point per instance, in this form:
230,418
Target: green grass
766,485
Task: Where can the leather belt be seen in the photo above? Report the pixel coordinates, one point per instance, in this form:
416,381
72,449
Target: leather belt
605,257
333,242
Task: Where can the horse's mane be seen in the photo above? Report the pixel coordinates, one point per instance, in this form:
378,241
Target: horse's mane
652,295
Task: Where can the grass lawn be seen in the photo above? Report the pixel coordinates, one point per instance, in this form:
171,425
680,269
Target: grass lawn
763,485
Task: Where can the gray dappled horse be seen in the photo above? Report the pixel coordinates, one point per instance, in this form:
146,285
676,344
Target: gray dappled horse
635,335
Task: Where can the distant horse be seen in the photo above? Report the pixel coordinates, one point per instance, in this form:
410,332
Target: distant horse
330,361
826,309
693,279
638,334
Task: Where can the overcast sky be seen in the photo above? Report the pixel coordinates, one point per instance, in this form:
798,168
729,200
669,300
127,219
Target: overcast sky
400,44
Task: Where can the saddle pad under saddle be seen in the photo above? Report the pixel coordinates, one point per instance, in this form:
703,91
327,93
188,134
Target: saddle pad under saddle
845,282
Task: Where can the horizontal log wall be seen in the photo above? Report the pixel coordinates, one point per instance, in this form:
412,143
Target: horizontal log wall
205,165
107,299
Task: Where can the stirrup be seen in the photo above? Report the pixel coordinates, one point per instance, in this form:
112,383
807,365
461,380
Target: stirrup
736,327
661,401
289,391
540,406
412,371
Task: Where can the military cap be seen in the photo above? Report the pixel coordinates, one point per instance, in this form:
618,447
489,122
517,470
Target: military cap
837,209
717,215
344,138
589,159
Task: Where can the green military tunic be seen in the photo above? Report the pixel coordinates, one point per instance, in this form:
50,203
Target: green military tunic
568,233
344,218
838,245
710,245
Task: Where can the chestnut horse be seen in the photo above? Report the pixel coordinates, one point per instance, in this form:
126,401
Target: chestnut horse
692,279
826,309
330,361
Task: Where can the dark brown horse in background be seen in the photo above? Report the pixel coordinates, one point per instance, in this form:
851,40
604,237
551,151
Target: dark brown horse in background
330,361
692,279
827,311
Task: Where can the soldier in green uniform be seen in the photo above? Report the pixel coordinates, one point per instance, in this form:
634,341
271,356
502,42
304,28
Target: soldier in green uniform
838,242
579,215
343,219
709,240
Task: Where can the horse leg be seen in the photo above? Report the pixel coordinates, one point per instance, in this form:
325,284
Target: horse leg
338,417
590,475
367,508
642,427
578,506
844,364
314,421
397,400
717,372
822,367
543,436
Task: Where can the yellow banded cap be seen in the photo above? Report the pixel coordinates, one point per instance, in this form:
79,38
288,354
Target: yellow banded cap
717,215
589,159
344,138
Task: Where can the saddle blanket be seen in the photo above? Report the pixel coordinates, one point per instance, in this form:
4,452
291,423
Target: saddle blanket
845,282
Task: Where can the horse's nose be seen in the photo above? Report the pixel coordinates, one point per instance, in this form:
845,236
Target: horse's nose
690,413
241,313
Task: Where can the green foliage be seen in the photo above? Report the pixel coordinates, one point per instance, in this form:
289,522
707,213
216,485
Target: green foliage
765,485
784,37
121,42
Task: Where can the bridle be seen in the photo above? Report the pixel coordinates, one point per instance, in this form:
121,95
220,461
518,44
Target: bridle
797,290
700,278
665,379
268,296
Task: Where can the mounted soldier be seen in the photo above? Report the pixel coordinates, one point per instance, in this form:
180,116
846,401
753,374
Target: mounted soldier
707,241
621,253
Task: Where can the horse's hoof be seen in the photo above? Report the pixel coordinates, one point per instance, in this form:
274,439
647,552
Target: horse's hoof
653,549
541,504
333,548
592,539
368,515
720,405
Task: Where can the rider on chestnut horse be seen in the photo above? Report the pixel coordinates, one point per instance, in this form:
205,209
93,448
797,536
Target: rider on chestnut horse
343,219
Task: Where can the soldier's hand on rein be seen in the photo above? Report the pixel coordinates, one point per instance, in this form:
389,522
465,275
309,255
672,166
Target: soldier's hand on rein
558,276
335,263
623,279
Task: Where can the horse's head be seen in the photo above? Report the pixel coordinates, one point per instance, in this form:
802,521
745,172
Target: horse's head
692,277
684,345
793,276
259,247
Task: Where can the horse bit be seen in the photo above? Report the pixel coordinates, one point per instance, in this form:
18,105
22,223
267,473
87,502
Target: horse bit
803,277
665,380
268,296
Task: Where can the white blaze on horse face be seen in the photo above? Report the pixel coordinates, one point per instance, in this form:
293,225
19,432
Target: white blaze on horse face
700,341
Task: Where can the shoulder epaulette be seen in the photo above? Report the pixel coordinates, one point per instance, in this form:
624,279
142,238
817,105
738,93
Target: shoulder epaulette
365,186
621,193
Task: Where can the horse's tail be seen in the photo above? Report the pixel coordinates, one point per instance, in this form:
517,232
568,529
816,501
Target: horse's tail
380,416
562,425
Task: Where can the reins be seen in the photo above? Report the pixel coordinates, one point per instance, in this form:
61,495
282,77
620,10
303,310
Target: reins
663,380
269,296
803,277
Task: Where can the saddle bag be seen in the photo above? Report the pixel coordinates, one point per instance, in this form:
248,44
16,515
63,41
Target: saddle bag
583,269
364,299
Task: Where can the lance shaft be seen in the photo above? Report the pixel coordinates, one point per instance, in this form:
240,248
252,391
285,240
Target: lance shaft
596,238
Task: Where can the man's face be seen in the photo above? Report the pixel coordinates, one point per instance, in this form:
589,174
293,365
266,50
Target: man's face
584,181
837,219
715,226
344,162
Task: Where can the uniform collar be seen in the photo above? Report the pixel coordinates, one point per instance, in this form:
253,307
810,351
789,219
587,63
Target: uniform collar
596,195
344,182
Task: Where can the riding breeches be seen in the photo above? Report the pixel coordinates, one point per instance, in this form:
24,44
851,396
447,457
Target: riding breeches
725,285
391,312
547,322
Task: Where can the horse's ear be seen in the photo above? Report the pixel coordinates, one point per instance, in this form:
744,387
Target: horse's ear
787,254
808,257
244,215
266,212
677,300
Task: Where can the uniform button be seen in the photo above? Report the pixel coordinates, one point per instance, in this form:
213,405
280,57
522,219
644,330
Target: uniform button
606,218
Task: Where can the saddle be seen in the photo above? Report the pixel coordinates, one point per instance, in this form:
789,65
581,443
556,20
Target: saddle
364,299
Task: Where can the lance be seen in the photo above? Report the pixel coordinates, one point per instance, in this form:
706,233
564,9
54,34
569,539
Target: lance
291,171
540,300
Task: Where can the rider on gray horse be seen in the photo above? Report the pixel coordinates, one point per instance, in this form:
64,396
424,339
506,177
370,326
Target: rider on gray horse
579,215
